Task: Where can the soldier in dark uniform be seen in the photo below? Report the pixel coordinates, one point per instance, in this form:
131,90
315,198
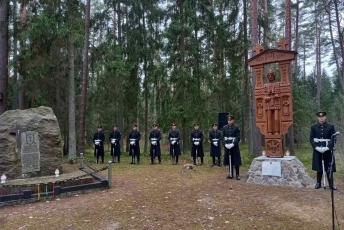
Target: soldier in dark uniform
155,137
231,139
98,140
174,137
115,137
215,144
134,142
320,138
196,138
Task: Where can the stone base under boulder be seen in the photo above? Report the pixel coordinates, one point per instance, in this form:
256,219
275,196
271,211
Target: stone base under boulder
293,172
41,120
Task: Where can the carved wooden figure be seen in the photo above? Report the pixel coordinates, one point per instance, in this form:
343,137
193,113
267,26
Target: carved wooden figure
273,99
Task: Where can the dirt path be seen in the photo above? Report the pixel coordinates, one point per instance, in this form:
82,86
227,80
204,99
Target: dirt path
161,197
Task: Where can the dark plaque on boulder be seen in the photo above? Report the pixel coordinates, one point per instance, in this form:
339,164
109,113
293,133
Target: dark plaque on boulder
30,156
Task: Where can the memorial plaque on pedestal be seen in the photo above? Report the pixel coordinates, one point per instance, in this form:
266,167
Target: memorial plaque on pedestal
270,168
30,155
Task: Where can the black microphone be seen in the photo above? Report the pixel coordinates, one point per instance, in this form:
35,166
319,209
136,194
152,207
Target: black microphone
335,134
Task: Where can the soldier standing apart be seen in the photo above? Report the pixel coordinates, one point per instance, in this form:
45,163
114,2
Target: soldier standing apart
134,141
320,138
155,137
231,139
215,146
174,137
115,138
98,140
197,144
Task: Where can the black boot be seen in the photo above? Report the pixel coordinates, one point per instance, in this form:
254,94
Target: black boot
177,160
138,160
318,184
152,160
194,160
330,182
213,161
229,177
237,172
202,162
159,158
218,161
118,159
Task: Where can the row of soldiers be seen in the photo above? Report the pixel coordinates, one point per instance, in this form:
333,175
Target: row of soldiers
229,137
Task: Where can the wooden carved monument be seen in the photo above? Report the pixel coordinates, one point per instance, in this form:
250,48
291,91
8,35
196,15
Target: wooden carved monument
274,111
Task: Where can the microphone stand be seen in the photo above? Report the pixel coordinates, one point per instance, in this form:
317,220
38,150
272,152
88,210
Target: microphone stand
334,139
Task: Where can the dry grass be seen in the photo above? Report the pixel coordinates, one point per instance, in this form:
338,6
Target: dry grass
161,197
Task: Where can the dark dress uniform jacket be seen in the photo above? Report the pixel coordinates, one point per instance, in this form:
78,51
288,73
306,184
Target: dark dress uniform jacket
155,134
135,134
322,131
197,134
115,147
176,147
215,151
99,149
232,131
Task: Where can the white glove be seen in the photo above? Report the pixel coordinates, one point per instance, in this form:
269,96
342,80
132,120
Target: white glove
132,142
196,143
173,142
231,146
318,149
325,149
215,143
97,142
113,141
227,146
153,142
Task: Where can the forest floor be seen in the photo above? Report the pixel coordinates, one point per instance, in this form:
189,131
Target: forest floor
166,197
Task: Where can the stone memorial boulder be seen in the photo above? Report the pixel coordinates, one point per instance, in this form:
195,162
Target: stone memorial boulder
13,124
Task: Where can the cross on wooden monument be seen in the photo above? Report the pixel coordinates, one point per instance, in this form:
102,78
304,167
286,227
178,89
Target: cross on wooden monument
18,130
258,48
283,43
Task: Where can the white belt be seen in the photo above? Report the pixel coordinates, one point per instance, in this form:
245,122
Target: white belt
321,140
154,139
132,139
230,138
215,139
197,139
173,139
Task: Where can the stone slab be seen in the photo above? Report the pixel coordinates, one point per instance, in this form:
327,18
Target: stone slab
265,158
30,155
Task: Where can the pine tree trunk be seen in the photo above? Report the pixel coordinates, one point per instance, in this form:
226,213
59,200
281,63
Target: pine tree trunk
22,64
256,137
82,132
15,56
341,41
119,76
318,58
4,20
145,81
71,96
339,70
244,92
296,43
289,39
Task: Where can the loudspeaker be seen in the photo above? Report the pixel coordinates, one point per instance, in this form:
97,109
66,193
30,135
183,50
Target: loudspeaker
222,120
